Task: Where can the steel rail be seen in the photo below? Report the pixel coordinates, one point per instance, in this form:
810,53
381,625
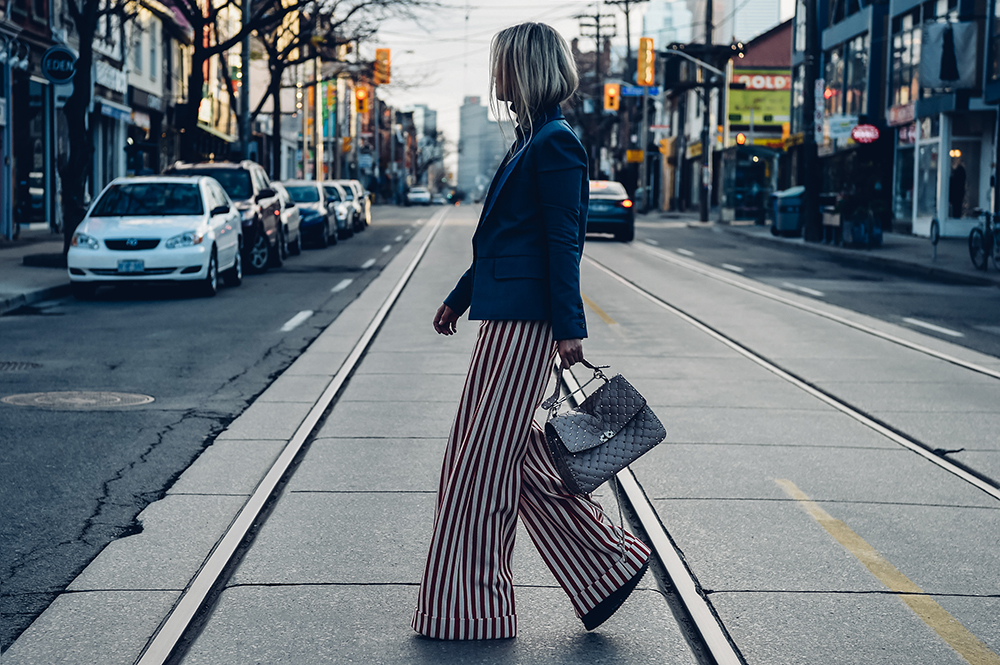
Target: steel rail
171,630
709,628
913,445
693,266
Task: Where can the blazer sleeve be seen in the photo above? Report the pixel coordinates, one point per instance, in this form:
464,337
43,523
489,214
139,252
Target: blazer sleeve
461,296
561,170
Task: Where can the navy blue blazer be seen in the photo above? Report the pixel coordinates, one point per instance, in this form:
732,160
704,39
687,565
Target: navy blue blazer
529,241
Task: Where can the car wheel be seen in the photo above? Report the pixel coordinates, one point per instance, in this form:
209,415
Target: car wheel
280,249
210,285
332,237
83,290
295,248
323,240
627,235
234,276
260,252
345,233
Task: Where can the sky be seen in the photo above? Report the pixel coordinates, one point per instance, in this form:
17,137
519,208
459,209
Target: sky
443,56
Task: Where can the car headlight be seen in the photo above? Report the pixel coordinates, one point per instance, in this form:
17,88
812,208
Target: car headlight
188,239
84,241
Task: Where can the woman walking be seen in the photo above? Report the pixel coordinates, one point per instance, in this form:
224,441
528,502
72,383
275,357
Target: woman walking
524,285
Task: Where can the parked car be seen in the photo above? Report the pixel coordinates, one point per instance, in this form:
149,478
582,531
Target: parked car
418,195
611,210
291,221
158,228
343,207
362,203
250,189
318,213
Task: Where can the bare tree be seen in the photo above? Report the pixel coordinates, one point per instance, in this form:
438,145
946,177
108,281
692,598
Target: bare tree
86,16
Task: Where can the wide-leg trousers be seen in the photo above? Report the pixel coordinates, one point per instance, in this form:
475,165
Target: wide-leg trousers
496,467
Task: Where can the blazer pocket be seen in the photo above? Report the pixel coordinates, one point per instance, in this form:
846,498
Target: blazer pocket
519,267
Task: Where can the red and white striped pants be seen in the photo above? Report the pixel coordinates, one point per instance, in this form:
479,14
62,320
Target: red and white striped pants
497,467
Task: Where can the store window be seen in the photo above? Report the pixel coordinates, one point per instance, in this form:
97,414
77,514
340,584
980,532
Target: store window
928,161
800,26
856,84
833,97
963,182
905,58
903,185
841,9
994,44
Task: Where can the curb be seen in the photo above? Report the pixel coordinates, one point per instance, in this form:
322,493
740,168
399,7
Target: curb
23,299
866,260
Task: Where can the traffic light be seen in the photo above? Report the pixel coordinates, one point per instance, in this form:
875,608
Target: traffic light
612,96
345,144
361,99
741,138
647,57
381,75
737,49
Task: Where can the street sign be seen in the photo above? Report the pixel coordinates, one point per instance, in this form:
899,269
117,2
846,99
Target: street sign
646,59
865,133
59,64
639,91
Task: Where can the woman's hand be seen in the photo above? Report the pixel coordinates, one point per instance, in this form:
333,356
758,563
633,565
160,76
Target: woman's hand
570,351
445,320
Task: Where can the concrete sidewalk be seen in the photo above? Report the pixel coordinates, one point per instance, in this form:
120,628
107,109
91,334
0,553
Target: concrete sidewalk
22,284
899,252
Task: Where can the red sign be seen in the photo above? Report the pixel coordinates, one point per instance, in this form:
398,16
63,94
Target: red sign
865,133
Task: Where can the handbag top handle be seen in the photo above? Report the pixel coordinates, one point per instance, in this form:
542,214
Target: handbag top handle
551,403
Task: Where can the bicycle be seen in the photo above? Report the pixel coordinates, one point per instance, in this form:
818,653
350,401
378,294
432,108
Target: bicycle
983,242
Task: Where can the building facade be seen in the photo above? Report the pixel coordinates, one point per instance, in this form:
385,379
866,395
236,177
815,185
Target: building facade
481,148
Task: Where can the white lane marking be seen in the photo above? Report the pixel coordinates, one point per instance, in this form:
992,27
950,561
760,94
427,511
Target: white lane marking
931,326
387,248
368,264
730,266
296,320
398,238
341,285
803,289
650,241
685,252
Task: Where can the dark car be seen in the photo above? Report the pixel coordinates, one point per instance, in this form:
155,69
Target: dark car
611,210
260,208
318,223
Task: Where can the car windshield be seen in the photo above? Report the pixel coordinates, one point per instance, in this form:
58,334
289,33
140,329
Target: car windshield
332,192
607,188
303,193
149,198
236,182
349,192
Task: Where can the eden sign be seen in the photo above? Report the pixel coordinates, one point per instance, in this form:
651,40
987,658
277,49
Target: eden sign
59,65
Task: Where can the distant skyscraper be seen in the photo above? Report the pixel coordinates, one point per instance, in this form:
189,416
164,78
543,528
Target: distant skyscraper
742,20
668,22
481,148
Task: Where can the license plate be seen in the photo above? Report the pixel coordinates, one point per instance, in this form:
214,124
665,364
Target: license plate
131,266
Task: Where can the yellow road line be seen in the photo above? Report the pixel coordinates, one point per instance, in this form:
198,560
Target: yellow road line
936,617
600,312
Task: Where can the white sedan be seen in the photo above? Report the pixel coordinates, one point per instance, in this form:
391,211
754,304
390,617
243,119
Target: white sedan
154,229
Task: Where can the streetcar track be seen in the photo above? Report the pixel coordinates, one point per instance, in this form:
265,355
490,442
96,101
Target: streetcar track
982,482
188,609
668,257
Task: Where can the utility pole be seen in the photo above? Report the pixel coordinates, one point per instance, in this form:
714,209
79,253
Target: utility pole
601,31
626,6
706,121
812,112
375,127
244,85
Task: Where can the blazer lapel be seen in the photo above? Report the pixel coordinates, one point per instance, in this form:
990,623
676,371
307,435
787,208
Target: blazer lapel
552,114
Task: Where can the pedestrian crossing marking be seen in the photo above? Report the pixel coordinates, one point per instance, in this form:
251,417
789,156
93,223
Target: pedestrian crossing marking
936,617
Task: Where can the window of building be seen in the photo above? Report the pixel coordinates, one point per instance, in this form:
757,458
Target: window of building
905,58
994,44
799,43
841,9
137,48
856,83
40,8
833,94
154,60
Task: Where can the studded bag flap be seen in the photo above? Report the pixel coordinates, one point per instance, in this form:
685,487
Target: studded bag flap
609,430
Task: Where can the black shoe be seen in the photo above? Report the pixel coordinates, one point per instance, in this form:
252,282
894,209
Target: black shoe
610,605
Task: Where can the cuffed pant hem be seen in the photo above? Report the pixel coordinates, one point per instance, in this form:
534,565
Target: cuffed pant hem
442,628
588,598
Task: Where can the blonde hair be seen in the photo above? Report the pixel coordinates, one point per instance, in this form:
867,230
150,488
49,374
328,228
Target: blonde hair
536,69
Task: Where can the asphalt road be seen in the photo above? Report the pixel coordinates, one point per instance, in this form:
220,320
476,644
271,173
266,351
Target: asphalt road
75,480
970,313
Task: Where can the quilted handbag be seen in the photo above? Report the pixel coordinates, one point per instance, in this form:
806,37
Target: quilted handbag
610,429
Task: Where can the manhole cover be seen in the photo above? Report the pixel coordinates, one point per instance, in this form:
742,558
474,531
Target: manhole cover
13,366
77,400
